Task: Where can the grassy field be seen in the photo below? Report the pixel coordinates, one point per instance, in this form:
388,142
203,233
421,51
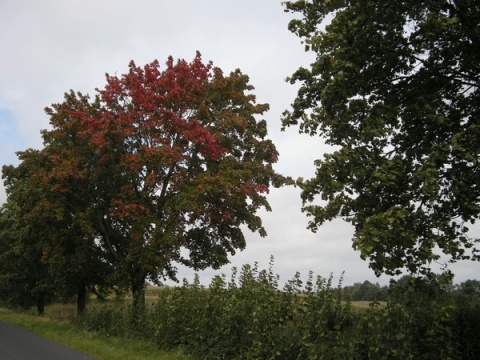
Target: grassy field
55,326
365,304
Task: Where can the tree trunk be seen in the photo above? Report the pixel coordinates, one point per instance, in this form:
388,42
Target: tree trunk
41,304
81,299
138,297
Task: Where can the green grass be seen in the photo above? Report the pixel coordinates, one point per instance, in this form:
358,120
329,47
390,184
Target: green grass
365,304
97,345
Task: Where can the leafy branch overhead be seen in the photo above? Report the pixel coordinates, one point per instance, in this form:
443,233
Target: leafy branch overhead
395,90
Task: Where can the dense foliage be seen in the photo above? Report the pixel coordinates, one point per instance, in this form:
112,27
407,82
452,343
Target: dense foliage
395,90
161,167
366,291
44,252
248,316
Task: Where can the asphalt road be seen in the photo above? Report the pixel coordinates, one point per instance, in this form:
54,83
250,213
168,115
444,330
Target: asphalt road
18,344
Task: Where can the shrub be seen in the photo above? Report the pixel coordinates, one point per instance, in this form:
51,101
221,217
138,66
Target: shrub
109,320
249,317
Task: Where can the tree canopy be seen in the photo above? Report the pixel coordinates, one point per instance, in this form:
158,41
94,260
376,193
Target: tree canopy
394,89
46,252
163,166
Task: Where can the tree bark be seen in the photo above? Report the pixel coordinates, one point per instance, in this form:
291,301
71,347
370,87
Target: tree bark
138,297
41,304
81,299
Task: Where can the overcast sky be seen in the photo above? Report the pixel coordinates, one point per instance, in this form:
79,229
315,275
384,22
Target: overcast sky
49,47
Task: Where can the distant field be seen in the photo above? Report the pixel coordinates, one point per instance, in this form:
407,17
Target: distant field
366,304
152,292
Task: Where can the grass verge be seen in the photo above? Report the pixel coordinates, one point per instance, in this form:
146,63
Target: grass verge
97,345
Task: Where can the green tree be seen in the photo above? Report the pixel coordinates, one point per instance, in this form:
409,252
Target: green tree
47,248
394,90
23,277
366,291
166,165
26,280
469,287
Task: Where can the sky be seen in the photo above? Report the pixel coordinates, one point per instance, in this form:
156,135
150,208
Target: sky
51,46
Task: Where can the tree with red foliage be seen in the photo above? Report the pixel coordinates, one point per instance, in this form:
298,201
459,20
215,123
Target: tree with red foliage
167,165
